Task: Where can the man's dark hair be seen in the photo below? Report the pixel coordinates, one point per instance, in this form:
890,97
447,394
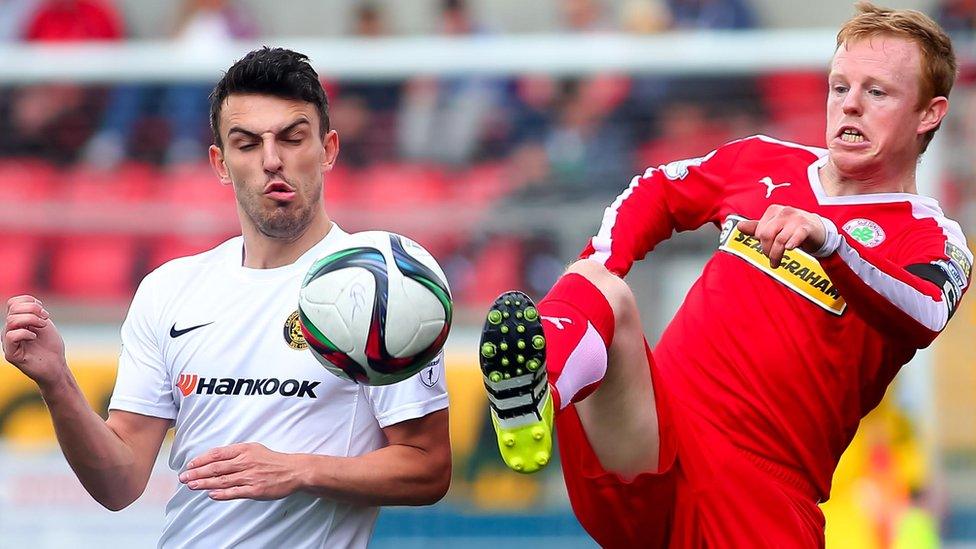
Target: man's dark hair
270,71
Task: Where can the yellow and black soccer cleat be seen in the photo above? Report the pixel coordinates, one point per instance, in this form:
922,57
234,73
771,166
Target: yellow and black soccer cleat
513,357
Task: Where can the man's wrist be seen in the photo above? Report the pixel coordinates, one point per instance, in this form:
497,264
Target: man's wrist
831,239
56,385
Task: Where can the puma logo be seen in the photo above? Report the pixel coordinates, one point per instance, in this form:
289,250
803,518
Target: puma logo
770,186
557,321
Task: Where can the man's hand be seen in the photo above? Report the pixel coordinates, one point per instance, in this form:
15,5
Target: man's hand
31,342
783,228
248,470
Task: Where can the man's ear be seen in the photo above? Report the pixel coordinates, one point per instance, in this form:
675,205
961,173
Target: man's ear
217,163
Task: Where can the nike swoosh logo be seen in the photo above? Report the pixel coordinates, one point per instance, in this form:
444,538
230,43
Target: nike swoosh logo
174,333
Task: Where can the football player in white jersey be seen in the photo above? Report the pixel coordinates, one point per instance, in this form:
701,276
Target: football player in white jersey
269,446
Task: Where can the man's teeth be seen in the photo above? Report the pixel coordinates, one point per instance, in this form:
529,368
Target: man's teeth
852,136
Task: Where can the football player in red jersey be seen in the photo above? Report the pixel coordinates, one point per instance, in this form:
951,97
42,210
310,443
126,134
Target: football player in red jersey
831,271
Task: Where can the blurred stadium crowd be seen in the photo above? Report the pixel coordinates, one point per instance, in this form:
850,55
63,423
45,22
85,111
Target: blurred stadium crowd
426,140
455,142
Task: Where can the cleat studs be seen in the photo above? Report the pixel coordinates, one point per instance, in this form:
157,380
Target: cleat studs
495,377
541,458
518,314
532,364
538,433
505,361
520,344
508,302
503,346
520,328
494,316
518,303
538,342
518,371
505,315
504,329
488,350
520,359
508,440
517,463
508,376
531,314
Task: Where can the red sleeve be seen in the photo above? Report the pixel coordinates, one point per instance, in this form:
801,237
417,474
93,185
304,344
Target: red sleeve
911,296
679,196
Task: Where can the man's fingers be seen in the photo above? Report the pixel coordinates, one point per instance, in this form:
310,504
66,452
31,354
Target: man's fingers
236,492
212,455
217,483
25,320
13,337
27,307
748,226
211,470
22,299
800,234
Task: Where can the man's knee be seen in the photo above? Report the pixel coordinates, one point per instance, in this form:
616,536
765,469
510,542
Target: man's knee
614,289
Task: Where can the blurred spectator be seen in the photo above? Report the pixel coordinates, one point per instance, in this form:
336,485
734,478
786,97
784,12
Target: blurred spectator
711,14
13,14
364,112
74,21
446,119
644,16
589,147
201,25
957,17
55,120
687,131
584,16
717,103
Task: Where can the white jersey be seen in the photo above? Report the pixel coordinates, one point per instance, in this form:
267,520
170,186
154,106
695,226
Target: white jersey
216,347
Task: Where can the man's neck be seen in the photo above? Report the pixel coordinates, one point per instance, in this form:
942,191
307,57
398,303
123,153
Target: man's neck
264,252
836,183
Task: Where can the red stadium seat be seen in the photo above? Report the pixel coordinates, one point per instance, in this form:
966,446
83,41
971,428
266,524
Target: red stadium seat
130,183
398,186
797,105
91,267
169,247
23,181
483,184
496,269
20,255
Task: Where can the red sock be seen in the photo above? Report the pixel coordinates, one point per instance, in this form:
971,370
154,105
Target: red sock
578,324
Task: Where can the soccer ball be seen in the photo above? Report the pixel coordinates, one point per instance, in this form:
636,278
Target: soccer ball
377,311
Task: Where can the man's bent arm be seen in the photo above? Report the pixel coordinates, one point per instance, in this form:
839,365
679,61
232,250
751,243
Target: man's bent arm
413,469
112,458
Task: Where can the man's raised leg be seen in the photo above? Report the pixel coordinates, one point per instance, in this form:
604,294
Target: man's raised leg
595,357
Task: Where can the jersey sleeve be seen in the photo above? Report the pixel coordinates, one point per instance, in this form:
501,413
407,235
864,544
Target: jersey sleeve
911,295
414,397
143,383
679,196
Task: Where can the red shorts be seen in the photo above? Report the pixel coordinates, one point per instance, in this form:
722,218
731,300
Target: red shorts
707,492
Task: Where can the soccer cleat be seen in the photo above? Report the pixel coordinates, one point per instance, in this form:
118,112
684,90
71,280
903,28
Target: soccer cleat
513,357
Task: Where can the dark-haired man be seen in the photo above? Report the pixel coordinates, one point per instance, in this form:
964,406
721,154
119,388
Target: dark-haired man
271,449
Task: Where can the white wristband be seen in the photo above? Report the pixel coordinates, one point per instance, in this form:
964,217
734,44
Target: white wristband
832,239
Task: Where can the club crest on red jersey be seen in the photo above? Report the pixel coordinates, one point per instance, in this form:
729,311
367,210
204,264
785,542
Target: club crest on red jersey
868,233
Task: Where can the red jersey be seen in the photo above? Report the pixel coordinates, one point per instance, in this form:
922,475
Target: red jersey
787,361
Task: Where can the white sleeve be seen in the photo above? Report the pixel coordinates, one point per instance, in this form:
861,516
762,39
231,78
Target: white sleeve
416,396
143,383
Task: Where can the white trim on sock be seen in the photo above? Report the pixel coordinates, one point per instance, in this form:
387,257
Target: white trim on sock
586,365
